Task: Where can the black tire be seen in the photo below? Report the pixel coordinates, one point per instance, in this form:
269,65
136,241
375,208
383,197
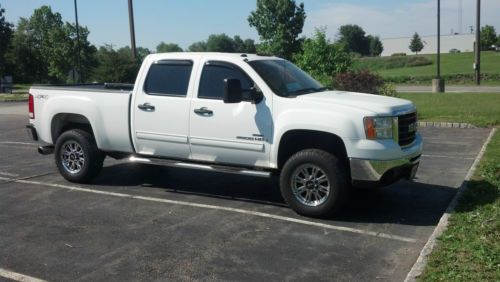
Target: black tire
82,145
319,163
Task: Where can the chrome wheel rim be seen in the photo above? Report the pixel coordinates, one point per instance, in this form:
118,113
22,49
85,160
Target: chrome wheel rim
72,157
310,185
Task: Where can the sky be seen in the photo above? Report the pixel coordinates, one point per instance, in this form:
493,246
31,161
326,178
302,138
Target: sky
187,21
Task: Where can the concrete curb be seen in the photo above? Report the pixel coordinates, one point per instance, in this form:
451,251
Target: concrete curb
439,124
421,262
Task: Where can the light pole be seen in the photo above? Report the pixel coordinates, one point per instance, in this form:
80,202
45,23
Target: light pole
438,83
77,47
132,29
477,64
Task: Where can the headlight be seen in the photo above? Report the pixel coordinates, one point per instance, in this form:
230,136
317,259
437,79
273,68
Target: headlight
379,127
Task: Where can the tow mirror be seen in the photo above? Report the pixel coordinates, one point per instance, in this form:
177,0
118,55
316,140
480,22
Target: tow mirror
232,91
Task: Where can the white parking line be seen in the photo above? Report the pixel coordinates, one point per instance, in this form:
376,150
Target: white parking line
214,207
18,143
9,174
18,276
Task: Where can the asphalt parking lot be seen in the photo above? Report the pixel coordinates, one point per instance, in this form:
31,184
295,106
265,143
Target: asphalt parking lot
139,222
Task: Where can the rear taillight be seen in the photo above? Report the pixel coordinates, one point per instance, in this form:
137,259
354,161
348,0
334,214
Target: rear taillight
31,107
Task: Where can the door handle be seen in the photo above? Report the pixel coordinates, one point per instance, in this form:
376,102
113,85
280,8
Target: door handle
146,107
203,111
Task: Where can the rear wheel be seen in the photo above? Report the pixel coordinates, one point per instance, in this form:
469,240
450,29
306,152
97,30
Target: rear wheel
313,183
77,156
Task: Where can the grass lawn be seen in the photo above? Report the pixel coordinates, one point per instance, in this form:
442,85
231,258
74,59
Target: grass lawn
480,109
13,97
459,63
469,250
451,65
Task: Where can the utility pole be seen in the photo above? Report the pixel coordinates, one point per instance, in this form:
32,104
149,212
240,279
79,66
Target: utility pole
438,83
132,29
78,59
477,64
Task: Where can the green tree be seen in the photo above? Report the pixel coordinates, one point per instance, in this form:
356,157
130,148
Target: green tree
142,53
488,37
279,23
200,46
220,43
115,65
322,58
244,46
168,47
375,45
88,52
23,58
5,37
416,44
224,43
43,48
353,37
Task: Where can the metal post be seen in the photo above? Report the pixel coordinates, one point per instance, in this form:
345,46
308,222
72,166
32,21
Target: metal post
78,46
132,29
439,40
438,83
477,70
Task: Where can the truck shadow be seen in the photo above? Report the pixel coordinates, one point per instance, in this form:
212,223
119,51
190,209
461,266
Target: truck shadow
405,202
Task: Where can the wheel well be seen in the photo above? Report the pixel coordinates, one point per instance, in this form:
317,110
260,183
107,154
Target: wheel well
298,140
65,122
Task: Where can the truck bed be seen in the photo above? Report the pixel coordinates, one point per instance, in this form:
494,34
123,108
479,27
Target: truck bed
105,106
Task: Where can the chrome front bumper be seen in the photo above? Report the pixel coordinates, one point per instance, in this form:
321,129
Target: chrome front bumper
383,172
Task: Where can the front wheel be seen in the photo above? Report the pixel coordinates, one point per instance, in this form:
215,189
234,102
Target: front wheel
77,156
313,183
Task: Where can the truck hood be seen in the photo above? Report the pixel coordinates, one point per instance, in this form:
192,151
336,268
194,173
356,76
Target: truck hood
376,104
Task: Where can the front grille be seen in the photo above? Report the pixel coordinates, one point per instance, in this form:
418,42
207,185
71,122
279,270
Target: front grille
407,128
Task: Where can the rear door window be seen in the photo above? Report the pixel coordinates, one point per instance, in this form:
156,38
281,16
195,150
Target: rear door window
168,78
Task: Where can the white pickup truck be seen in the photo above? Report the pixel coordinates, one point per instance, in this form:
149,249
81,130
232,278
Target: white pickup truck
234,113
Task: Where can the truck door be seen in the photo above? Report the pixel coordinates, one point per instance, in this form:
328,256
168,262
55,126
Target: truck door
161,110
229,133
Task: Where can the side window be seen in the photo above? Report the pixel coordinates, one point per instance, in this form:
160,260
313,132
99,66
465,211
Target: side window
169,77
212,80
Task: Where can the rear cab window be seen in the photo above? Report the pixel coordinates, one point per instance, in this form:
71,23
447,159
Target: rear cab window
168,78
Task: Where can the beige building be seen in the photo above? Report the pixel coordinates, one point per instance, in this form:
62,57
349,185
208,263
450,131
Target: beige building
462,42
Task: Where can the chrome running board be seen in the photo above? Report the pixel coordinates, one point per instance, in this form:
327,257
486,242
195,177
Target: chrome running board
206,167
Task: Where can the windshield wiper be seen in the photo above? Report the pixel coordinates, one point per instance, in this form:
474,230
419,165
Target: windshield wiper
307,91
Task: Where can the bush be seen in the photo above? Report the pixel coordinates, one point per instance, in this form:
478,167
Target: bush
398,54
450,79
392,62
415,61
322,58
358,81
388,89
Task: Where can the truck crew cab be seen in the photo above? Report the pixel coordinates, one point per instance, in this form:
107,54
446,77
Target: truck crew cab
235,113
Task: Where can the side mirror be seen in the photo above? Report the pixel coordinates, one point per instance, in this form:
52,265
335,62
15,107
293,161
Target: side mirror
232,91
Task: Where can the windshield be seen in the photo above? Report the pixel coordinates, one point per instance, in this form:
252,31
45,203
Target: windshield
286,79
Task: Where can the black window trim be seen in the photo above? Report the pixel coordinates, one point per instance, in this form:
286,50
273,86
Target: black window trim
172,62
225,65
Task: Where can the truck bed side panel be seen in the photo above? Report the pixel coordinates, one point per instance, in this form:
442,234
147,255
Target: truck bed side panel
107,112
